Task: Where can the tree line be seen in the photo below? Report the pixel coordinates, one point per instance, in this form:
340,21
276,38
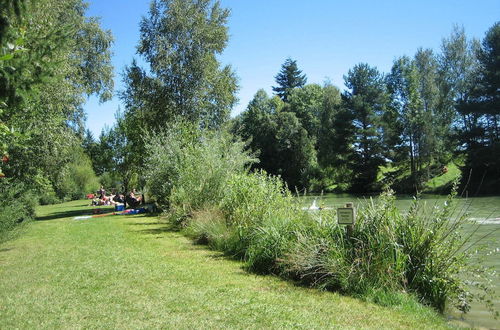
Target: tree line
52,56
399,128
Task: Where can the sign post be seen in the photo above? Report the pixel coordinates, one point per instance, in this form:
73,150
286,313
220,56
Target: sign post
347,216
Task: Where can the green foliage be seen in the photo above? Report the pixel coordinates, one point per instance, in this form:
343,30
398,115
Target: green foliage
56,55
288,78
418,252
78,178
181,40
367,100
259,208
111,181
480,132
430,106
279,138
306,103
201,177
138,254
188,169
18,207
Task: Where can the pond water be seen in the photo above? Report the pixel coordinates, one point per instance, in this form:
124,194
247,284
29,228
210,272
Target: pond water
482,210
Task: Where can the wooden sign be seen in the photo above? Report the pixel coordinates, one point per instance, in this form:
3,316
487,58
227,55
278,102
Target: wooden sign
346,215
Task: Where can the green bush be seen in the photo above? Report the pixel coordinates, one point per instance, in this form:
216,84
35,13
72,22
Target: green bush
187,169
44,190
49,197
419,251
263,211
17,205
78,178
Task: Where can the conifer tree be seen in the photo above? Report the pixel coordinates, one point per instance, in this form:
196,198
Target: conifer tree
367,101
288,78
482,135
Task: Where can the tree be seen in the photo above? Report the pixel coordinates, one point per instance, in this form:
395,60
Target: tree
181,40
482,138
257,125
60,56
296,156
404,133
278,138
367,101
458,69
335,139
288,78
306,103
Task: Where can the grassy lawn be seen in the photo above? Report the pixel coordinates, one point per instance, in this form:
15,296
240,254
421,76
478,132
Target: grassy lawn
133,272
444,180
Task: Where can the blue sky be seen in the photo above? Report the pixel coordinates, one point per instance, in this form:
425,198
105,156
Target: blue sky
327,38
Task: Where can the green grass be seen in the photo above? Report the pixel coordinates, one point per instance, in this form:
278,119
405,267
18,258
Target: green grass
440,184
444,181
133,272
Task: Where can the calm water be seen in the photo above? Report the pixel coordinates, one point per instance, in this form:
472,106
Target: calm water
483,210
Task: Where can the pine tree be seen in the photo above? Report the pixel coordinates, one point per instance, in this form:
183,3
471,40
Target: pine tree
288,78
482,137
367,101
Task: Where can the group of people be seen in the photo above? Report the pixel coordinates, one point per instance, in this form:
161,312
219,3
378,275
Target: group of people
101,198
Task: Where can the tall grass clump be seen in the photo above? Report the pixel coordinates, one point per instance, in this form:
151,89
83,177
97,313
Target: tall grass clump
422,252
264,216
202,181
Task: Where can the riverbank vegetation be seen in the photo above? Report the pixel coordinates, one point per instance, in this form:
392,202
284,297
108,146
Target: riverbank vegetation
213,198
429,110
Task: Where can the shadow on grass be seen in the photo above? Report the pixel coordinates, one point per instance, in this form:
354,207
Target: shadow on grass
146,224
70,214
156,231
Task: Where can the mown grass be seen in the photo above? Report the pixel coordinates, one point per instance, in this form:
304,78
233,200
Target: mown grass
133,272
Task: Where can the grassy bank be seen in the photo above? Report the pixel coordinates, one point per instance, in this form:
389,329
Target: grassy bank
133,272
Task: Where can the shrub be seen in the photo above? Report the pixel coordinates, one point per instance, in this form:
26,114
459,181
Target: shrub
262,211
49,197
78,178
187,169
44,189
419,251
17,205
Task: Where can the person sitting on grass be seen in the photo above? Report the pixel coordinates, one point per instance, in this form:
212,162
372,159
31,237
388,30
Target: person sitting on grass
119,198
101,192
133,200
